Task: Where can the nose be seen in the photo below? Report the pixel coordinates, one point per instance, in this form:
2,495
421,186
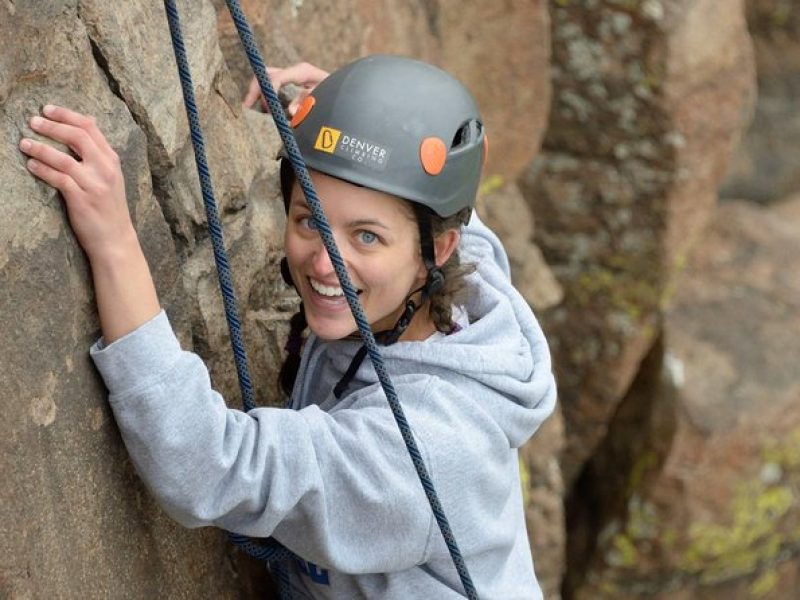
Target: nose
321,261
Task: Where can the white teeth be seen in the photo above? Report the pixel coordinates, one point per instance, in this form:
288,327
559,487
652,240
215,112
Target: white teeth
326,290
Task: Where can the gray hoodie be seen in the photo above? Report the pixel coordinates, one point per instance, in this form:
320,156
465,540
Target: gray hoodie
331,479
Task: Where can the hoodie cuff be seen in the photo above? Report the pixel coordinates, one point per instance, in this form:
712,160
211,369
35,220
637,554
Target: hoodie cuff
138,357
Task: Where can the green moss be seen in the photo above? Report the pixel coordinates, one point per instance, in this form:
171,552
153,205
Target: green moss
643,464
622,290
630,4
652,82
623,551
648,331
609,589
669,537
629,282
491,184
674,277
642,520
757,525
719,552
753,534
525,481
641,525
765,583
781,16
784,452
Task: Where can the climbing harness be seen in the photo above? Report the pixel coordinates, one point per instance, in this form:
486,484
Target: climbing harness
272,551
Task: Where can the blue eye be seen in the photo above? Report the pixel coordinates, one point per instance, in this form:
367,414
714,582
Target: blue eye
308,223
367,237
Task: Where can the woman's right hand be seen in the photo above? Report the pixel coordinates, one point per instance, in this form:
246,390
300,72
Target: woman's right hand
90,180
304,75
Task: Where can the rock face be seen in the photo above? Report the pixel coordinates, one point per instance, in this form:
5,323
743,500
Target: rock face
695,488
765,168
508,215
647,104
76,521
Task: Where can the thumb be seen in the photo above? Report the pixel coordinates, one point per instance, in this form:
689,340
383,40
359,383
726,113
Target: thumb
253,93
297,101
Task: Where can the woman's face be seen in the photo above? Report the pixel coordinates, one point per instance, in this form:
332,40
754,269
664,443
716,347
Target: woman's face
378,239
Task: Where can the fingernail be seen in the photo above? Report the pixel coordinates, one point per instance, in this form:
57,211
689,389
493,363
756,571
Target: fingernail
48,109
25,144
32,164
36,121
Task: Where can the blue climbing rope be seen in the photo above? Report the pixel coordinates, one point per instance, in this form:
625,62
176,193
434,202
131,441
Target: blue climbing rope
212,215
302,175
270,551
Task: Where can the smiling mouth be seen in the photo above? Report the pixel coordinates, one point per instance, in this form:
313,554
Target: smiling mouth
327,290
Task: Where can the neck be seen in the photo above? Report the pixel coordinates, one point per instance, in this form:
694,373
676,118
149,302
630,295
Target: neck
421,326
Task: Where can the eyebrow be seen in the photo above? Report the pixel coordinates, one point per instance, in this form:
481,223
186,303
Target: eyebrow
301,203
369,222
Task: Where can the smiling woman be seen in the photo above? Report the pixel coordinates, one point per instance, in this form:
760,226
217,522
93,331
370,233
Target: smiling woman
330,477
377,235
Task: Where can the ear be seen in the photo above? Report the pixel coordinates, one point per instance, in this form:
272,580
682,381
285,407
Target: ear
445,244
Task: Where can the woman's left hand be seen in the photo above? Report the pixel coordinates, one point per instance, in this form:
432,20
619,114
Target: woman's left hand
304,75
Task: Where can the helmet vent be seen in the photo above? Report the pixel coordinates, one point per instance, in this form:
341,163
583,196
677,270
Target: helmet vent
467,134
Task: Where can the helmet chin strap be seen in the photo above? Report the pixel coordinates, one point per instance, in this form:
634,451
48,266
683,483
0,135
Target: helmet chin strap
433,283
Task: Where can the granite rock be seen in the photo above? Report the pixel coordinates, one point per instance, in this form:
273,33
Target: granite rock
694,492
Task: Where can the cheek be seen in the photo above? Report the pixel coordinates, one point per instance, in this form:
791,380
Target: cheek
293,249
396,274
292,242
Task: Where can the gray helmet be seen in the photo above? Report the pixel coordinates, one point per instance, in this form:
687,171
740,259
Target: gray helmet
396,125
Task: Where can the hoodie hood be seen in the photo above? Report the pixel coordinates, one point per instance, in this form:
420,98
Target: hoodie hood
500,357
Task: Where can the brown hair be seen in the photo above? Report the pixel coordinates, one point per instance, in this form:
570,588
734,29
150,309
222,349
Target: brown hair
440,303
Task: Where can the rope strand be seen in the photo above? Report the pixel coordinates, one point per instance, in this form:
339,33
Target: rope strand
273,552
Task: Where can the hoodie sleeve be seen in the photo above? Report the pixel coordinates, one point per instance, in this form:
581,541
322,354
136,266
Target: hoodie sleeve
336,488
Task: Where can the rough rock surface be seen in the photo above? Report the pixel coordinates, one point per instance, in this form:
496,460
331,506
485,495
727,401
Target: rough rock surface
508,215
76,521
694,493
648,101
765,166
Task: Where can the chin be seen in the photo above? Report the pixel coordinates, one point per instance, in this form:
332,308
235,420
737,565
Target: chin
331,331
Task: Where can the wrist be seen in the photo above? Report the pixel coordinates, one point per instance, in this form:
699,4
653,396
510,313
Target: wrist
124,252
124,290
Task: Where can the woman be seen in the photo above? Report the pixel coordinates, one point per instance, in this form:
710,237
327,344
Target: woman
395,148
